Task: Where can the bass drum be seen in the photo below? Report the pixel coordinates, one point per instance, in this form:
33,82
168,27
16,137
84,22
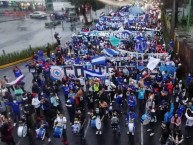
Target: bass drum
131,127
22,130
98,123
58,131
40,133
145,119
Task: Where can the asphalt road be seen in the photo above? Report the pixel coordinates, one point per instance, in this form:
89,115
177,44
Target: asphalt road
107,138
18,35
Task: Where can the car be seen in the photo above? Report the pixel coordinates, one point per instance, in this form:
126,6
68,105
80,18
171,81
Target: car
60,15
38,15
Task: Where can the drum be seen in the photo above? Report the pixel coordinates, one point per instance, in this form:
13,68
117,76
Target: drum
98,123
58,131
131,127
76,127
145,119
93,123
40,133
22,130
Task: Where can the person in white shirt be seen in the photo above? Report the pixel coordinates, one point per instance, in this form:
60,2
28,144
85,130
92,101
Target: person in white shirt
189,122
36,103
61,121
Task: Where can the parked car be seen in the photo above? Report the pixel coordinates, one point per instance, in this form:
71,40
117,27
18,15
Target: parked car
59,15
38,15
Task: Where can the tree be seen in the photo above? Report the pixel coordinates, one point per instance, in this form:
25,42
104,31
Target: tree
84,5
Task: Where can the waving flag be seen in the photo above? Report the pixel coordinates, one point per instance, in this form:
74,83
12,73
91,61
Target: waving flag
15,82
110,52
90,73
153,62
56,72
102,14
98,60
114,41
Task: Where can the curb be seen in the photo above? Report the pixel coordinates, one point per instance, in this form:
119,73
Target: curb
2,21
14,63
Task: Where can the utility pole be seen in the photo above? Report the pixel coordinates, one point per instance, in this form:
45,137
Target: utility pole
172,29
189,15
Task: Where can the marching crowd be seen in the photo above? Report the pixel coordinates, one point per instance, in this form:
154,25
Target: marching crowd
165,98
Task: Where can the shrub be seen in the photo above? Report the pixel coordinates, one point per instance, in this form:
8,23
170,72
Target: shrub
16,56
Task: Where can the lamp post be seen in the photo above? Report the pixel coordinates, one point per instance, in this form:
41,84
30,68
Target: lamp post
172,29
188,19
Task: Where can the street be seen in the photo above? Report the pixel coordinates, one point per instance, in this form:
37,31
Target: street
107,138
19,35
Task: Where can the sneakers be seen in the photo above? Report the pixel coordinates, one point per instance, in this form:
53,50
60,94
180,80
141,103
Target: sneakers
149,130
127,132
49,139
97,132
100,132
151,134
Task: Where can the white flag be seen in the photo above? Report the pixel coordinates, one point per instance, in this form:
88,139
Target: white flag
153,62
56,72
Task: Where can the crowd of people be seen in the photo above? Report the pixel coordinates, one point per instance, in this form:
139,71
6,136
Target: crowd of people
162,98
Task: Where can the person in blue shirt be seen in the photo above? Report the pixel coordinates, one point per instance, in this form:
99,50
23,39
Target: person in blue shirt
131,115
15,107
120,82
17,72
40,53
141,93
71,94
119,100
171,44
188,79
132,102
66,91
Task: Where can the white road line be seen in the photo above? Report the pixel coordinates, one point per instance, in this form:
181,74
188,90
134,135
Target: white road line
19,141
141,134
86,128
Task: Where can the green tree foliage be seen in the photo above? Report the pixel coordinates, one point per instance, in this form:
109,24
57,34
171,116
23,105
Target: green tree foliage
94,3
83,4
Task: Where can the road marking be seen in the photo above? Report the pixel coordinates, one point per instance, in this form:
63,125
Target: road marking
19,141
86,128
141,134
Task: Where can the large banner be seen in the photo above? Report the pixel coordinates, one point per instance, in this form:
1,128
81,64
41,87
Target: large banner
123,35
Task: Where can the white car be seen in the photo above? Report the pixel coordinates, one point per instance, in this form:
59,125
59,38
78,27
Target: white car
38,15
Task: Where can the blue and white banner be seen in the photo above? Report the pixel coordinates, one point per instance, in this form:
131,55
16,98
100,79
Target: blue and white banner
110,52
98,60
90,73
56,72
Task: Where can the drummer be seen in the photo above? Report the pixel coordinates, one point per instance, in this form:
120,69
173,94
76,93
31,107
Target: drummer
61,121
45,125
115,120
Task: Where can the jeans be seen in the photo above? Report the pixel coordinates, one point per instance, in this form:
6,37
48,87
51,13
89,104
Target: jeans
187,131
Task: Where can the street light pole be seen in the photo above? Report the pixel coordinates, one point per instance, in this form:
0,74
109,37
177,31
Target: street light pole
172,29
188,20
